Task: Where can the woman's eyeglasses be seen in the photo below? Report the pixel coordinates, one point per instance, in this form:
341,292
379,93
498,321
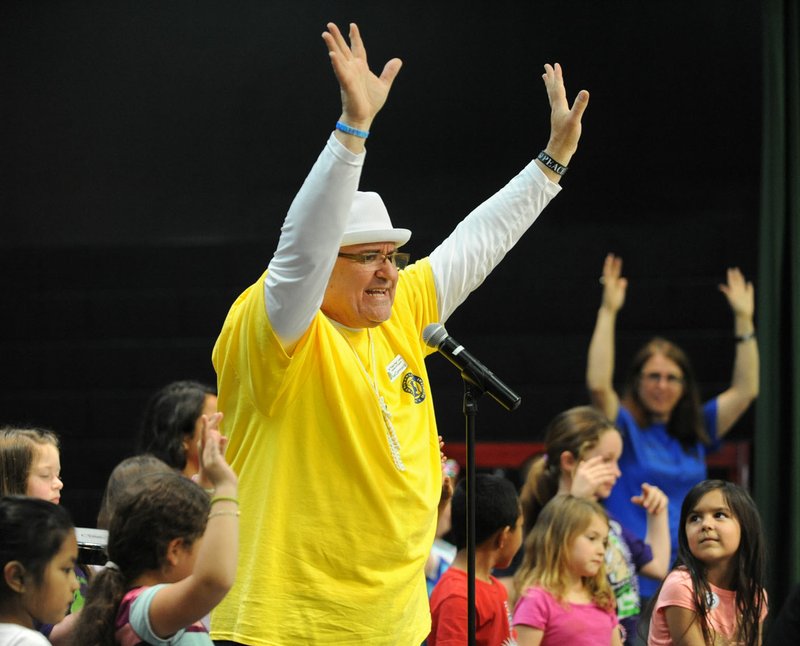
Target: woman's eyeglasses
654,378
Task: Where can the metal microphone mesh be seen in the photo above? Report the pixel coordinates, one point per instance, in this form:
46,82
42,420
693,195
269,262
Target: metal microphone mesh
434,334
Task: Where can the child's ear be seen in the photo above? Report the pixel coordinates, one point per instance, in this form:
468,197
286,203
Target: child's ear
174,549
501,537
14,575
567,461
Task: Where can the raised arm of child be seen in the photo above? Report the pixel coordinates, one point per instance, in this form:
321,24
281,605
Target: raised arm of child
188,600
655,503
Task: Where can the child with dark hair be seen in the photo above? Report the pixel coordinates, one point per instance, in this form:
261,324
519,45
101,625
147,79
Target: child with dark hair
171,423
172,556
715,593
498,535
37,556
124,480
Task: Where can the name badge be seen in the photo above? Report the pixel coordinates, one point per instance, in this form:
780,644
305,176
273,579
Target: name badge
396,367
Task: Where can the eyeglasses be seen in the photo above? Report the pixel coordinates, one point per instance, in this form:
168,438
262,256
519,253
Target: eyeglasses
654,378
375,260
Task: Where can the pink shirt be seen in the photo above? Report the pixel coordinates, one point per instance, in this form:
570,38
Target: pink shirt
576,624
678,591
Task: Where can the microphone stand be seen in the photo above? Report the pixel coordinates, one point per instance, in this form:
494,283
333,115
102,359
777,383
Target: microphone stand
477,381
472,393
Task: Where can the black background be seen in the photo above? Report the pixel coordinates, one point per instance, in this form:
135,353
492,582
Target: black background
149,151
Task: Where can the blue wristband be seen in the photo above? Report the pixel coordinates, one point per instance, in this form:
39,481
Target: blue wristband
352,131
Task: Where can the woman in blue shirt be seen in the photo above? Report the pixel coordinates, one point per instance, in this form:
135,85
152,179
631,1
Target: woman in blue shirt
667,431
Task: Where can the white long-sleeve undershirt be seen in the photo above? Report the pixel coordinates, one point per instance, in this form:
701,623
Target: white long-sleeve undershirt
299,271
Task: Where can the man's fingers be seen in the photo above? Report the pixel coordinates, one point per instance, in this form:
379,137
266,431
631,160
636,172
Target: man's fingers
579,106
554,84
390,70
335,41
356,43
338,39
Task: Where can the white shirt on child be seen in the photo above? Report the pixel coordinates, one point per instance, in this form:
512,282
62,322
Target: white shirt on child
16,635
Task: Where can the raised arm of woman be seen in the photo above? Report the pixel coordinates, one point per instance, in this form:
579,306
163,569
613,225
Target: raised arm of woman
600,362
732,403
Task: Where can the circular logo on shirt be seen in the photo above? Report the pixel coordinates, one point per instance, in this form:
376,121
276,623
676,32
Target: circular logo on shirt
414,386
712,600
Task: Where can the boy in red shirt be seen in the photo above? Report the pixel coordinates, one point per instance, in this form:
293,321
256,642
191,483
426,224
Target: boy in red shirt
498,535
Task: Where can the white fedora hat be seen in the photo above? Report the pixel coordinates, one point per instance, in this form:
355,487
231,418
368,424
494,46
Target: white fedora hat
369,222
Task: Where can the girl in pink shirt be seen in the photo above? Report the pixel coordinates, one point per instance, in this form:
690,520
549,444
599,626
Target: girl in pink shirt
564,595
715,593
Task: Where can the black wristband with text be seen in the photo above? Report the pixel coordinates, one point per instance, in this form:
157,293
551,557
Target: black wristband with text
551,163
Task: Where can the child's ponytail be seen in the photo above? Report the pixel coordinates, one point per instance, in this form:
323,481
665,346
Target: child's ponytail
96,623
540,486
161,508
576,431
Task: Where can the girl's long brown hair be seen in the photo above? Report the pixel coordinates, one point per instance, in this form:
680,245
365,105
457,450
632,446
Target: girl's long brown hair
686,420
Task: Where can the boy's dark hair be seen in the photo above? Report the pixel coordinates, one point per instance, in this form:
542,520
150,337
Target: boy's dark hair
496,507
32,532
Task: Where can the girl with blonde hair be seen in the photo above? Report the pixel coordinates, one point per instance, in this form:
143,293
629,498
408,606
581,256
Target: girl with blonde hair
564,595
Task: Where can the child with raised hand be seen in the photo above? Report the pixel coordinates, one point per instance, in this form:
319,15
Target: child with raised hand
715,592
582,452
172,556
564,595
442,552
37,555
498,535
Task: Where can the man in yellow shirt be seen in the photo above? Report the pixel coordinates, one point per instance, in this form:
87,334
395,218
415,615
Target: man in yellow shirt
322,379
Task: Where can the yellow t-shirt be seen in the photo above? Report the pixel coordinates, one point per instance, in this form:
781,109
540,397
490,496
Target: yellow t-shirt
335,524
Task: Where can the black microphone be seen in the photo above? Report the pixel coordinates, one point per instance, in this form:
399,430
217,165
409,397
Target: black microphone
471,369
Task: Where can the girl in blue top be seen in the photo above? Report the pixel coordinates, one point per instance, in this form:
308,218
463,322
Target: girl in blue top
666,430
